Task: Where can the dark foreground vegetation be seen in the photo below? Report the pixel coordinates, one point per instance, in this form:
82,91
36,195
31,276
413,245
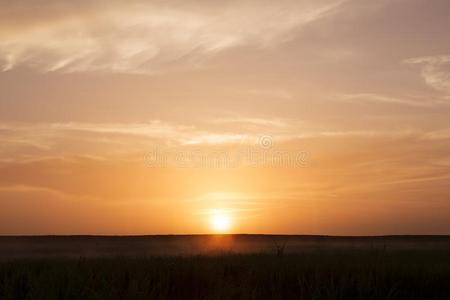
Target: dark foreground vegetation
325,273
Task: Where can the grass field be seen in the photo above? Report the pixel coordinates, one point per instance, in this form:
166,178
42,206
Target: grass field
325,268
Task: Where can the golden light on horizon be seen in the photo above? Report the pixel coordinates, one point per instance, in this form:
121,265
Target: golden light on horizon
220,221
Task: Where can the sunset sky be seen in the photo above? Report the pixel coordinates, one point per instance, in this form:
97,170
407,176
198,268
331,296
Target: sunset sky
173,117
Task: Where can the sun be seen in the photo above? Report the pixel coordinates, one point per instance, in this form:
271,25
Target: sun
220,221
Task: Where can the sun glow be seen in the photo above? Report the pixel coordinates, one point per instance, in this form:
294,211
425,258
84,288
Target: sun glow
220,221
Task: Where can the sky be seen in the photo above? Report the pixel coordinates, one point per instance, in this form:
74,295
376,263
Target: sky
179,117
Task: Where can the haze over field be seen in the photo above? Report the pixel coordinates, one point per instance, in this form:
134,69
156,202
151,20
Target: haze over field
147,117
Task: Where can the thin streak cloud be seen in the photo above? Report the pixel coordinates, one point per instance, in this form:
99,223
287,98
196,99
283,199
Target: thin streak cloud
143,37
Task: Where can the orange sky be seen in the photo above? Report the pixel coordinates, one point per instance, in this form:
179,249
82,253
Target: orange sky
145,117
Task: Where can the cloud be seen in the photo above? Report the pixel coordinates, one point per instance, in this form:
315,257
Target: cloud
255,121
436,74
435,71
45,138
143,37
375,98
368,173
228,130
269,93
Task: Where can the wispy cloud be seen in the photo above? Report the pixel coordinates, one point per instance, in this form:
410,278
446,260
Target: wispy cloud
269,93
38,135
435,71
142,36
259,122
376,98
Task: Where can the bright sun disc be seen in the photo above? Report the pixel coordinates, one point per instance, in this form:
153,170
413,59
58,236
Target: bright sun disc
220,221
